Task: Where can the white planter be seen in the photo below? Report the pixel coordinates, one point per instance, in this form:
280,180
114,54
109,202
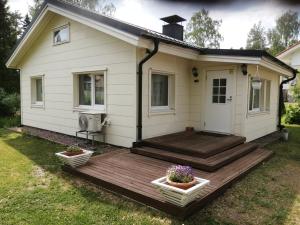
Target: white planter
75,160
179,196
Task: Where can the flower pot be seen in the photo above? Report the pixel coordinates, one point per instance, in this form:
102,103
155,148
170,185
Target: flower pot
75,160
73,153
183,186
178,196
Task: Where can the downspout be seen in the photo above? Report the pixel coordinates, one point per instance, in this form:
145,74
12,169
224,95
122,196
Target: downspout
149,55
280,104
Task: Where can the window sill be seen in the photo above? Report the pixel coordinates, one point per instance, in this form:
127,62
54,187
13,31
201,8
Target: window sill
253,114
82,109
154,112
38,106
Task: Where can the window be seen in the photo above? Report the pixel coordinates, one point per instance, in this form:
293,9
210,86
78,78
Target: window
259,99
219,90
162,91
91,90
37,91
61,35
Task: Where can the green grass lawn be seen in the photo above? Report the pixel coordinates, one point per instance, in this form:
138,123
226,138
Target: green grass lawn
34,190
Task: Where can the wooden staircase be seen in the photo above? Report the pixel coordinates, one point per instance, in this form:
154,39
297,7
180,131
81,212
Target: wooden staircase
202,152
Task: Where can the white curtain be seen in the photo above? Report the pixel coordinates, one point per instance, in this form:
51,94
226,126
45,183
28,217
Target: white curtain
159,91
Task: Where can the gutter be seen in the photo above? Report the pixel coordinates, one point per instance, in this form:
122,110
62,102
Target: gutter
281,103
148,56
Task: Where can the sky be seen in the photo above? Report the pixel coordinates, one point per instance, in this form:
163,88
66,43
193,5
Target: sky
238,16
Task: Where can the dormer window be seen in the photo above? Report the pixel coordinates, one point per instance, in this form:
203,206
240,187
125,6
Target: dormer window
61,35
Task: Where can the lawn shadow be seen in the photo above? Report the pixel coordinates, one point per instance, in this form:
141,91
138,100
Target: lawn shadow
262,197
42,153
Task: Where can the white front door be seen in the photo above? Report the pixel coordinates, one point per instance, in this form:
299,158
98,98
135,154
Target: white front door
218,101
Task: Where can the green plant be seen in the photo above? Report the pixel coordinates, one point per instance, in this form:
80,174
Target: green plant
180,174
9,103
73,149
293,114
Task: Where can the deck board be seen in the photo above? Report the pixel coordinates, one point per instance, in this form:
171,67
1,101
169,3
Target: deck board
130,174
194,143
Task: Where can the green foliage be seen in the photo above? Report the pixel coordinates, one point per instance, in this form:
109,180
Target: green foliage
9,32
25,23
296,91
105,7
180,174
33,9
257,37
203,31
12,121
74,149
293,114
285,33
9,103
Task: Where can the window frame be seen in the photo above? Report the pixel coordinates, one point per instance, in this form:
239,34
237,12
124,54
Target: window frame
263,107
170,108
60,28
76,96
33,92
219,90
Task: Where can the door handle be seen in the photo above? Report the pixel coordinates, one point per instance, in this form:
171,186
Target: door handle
229,99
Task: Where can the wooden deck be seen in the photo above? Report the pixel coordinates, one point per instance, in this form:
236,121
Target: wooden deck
130,175
199,144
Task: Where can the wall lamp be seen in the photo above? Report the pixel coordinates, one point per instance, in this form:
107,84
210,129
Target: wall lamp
195,74
244,69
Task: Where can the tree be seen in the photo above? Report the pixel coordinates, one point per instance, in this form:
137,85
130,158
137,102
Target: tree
296,91
33,9
203,31
285,33
105,7
257,37
9,32
274,39
25,22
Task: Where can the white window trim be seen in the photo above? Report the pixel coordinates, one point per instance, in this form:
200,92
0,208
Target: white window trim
37,104
159,110
258,111
59,28
94,107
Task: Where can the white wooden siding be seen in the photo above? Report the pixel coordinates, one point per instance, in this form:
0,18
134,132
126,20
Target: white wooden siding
261,124
160,124
88,50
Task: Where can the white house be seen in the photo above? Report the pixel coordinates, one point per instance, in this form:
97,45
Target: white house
147,83
290,56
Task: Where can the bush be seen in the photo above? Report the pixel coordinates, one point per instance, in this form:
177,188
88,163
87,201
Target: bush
9,103
293,114
13,121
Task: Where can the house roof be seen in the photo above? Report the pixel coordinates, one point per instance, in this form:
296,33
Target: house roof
288,50
145,33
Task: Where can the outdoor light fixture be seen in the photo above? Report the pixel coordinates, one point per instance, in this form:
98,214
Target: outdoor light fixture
195,72
244,69
256,81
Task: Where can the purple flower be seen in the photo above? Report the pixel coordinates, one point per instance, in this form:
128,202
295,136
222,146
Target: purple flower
180,174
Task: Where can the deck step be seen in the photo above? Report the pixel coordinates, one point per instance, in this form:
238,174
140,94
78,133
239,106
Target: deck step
209,164
194,145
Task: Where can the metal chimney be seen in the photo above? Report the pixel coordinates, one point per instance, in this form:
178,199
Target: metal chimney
172,28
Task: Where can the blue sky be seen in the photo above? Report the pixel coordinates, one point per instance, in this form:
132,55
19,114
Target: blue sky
237,16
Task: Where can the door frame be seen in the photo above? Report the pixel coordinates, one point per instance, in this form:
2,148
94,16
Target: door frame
233,71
